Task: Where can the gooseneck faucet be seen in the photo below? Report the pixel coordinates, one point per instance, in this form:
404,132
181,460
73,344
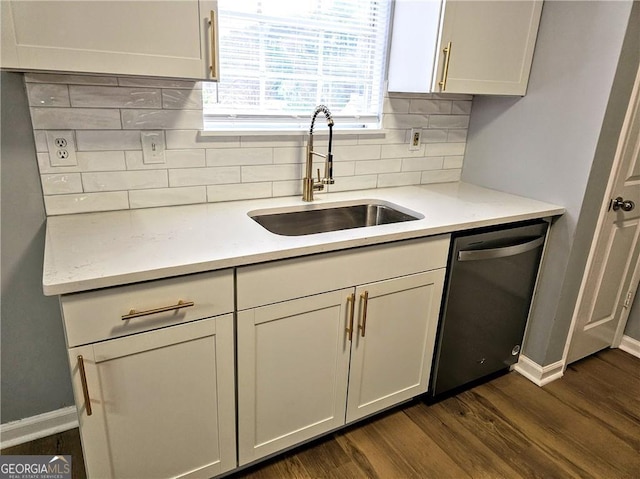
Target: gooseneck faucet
309,184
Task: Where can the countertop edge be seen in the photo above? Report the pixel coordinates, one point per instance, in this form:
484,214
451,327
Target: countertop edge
70,287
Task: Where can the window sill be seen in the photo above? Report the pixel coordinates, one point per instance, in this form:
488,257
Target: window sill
320,132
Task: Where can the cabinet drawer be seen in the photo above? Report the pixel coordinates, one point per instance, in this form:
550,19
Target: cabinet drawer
98,315
297,277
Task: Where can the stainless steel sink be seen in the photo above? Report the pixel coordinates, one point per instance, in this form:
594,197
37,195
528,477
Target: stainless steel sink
333,217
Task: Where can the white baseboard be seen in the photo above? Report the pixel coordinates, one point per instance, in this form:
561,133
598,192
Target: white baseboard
630,345
36,427
537,374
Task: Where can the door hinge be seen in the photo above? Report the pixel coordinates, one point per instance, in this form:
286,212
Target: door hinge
627,301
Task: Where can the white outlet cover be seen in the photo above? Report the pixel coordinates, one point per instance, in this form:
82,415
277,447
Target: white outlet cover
415,133
152,147
61,155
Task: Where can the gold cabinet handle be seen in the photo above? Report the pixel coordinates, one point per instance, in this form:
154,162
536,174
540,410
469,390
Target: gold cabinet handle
365,302
351,300
214,67
174,307
445,70
85,388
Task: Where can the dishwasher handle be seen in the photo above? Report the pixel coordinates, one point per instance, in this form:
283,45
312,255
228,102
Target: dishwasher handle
503,252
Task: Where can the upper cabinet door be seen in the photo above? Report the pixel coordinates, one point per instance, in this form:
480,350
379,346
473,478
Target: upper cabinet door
489,46
153,38
457,46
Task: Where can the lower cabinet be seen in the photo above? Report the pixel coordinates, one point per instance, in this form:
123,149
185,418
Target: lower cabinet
311,364
293,364
392,347
158,404
152,366
321,341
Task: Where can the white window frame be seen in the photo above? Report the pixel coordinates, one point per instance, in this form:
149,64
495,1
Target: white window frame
273,123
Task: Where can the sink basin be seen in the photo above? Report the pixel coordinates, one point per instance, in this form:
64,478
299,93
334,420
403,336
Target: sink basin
331,217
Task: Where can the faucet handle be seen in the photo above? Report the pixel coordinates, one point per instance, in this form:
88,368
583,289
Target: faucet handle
317,185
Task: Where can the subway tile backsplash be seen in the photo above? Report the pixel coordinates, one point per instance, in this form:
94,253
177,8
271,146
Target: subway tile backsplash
107,114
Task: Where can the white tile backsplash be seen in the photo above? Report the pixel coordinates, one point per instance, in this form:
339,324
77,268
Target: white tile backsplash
251,174
101,160
182,99
440,176
124,180
75,118
378,166
48,95
114,97
161,119
239,156
99,140
243,191
86,202
182,139
108,115
444,149
422,164
58,184
204,176
398,179
173,159
70,79
167,197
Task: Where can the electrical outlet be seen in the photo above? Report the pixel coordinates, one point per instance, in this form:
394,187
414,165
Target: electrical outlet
62,148
414,139
152,147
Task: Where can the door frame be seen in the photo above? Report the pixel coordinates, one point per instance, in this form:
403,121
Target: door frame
604,208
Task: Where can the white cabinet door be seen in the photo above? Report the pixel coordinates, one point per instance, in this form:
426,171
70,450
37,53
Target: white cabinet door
293,362
491,46
169,38
394,340
162,402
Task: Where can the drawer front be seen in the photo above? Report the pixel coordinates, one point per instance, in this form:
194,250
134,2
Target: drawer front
297,277
98,315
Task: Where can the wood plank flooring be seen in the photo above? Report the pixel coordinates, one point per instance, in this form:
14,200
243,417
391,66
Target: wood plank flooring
585,425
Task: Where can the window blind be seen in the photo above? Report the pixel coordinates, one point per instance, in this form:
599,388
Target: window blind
279,59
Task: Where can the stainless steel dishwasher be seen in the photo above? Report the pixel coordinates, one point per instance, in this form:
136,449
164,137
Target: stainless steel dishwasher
491,278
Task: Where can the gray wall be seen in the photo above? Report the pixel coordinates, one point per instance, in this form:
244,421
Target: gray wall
633,323
545,144
34,371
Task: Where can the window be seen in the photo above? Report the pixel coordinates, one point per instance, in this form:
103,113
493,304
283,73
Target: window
279,59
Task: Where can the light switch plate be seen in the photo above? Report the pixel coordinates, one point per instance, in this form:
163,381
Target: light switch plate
414,139
62,148
152,147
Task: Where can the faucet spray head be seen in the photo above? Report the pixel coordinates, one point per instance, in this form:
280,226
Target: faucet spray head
321,109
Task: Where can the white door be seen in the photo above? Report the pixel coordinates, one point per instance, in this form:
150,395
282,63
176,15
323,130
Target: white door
610,283
170,38
293,362
158,404
491,46
393,342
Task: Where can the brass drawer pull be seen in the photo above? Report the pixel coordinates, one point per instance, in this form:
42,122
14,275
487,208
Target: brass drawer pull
365,303
213,32
85,388
352,301
445,70
174,307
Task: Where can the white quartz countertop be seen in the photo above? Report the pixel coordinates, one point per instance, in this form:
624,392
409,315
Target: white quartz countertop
98,250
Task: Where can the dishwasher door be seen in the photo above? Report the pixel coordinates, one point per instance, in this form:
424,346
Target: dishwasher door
491,280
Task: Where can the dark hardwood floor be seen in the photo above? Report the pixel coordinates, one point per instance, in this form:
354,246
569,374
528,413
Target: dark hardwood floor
585,425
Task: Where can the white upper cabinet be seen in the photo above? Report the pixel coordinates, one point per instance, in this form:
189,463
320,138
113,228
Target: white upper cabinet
170,38
472,47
